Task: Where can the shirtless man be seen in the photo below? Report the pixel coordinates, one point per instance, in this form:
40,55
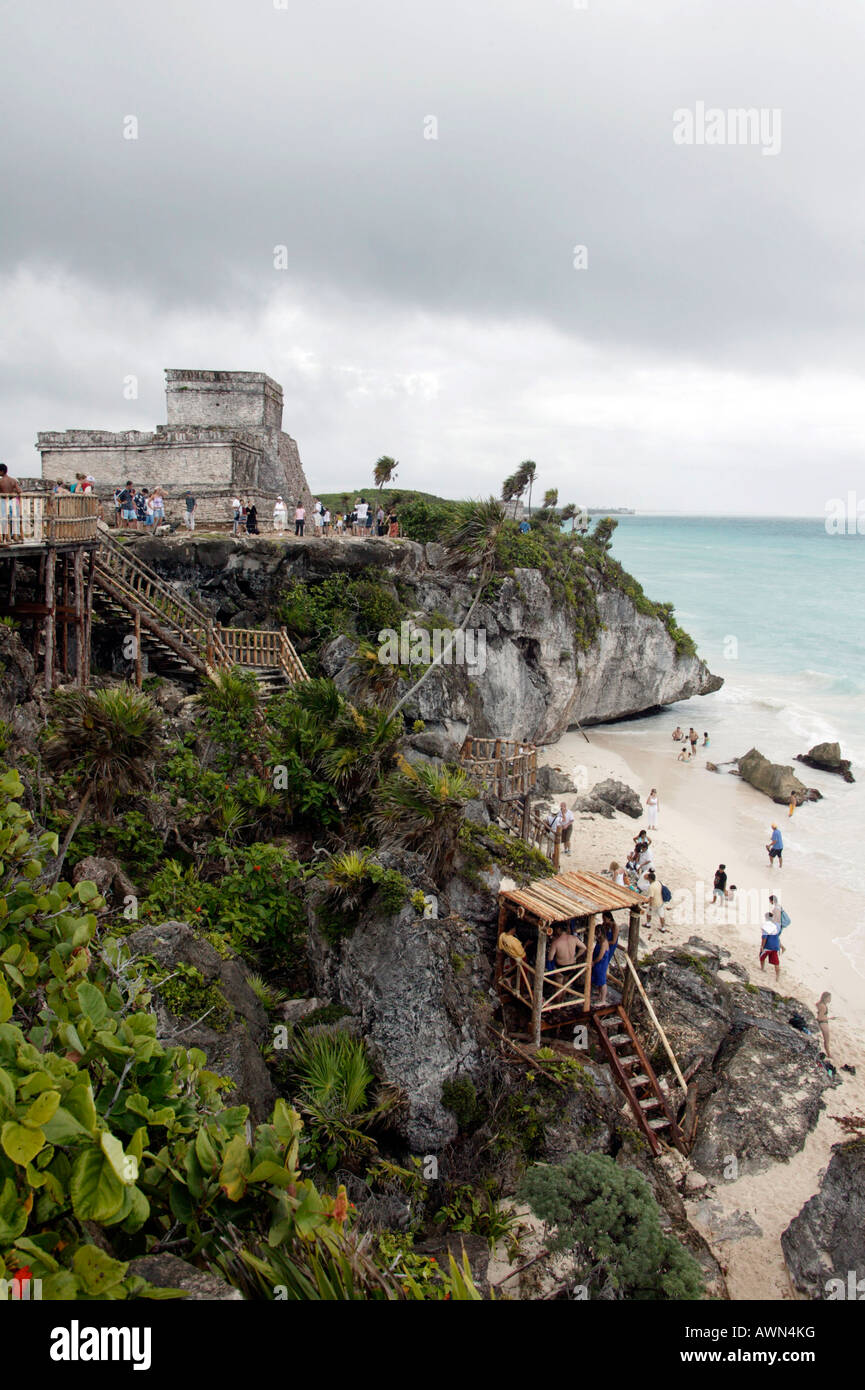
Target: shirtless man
10,506
562,949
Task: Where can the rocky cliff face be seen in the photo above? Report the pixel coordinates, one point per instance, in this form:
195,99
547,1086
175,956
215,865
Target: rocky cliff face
536,681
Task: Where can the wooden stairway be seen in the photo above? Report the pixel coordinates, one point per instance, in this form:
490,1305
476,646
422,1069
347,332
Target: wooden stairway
184,638
634,1075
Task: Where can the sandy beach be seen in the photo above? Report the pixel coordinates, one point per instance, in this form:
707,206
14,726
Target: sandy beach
706,819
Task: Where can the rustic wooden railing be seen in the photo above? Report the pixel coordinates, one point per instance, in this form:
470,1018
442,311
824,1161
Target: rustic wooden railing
564,987
532,829
505,766
187,629
38,518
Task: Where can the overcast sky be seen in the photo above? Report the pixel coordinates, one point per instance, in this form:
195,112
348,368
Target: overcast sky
709,356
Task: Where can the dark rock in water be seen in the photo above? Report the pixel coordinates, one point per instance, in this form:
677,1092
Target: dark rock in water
606,797
552,779
775,780
241,1024
827,1239
166,1271
827,757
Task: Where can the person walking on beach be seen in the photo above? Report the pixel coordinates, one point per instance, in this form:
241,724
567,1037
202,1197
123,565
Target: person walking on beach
720,886
770,944
563,820
823,1020
656,906
776,847
299,519
793,804
693,736
652,809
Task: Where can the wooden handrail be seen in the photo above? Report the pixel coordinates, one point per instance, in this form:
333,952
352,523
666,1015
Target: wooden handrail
654,1017
40,517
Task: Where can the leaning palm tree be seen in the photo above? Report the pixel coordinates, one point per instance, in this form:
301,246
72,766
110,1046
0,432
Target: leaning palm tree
526,472
551,499
472,539
513,488
107,738
422,808
384,472
569,513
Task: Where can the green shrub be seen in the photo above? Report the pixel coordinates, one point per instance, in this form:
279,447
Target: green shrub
607,1218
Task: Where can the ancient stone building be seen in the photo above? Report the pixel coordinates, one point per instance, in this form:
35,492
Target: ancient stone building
223,437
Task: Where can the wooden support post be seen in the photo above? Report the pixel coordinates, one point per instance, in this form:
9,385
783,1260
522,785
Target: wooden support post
557,848
590,951
137,621
78,591
84,659
50,563
633,952
538,990
64,588
527,810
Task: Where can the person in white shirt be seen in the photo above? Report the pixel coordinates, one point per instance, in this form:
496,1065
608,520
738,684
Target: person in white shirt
235,516
280,516
563,820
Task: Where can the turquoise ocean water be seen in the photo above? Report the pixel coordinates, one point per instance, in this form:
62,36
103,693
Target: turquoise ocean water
776,607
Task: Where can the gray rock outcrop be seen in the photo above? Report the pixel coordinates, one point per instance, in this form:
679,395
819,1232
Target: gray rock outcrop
167,1271
409,981
537,679
231,1047
827,757
605,798
774,780
826,1241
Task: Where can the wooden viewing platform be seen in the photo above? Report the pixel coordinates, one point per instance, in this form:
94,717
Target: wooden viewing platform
40,518
503,766
564,995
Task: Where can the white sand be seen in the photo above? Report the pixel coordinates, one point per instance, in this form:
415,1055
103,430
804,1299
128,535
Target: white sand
706,819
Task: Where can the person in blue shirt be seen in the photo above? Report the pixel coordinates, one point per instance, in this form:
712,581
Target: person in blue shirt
776,847
770,945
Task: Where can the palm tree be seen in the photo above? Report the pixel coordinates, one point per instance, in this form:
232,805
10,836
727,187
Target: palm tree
551,499
471,539
513,488
527,471
569,513
422,808
384,472
107,738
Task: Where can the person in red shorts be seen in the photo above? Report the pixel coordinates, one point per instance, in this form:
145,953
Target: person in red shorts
770,946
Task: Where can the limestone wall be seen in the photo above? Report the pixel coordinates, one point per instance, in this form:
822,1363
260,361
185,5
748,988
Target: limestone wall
248,400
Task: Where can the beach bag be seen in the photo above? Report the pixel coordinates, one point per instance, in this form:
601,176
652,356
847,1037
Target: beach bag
785,920
666,895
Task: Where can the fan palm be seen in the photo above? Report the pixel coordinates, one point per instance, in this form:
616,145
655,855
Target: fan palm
334,1080
472,539
422,809
526,474
107,738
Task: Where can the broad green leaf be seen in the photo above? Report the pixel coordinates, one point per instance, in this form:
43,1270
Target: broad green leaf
42,1109
206,1151
286,1122
19,1143
272,1173
124,1165
63,1127
7,1090
92,1002
61,1287
235,1169
96,1190
5,1002
32,1247
96,1270
139,1212
13,1213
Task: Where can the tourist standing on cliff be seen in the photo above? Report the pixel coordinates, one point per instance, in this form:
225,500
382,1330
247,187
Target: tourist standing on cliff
280,516
190,510
652,809
127,505
776,847
10,506
299,519
157,506
236,507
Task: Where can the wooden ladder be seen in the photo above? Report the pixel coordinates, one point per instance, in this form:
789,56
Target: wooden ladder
635,1076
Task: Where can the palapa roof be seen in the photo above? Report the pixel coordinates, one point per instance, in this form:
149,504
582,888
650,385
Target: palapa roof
574,894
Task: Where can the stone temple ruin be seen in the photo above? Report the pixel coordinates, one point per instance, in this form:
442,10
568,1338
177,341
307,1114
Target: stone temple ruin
223,438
